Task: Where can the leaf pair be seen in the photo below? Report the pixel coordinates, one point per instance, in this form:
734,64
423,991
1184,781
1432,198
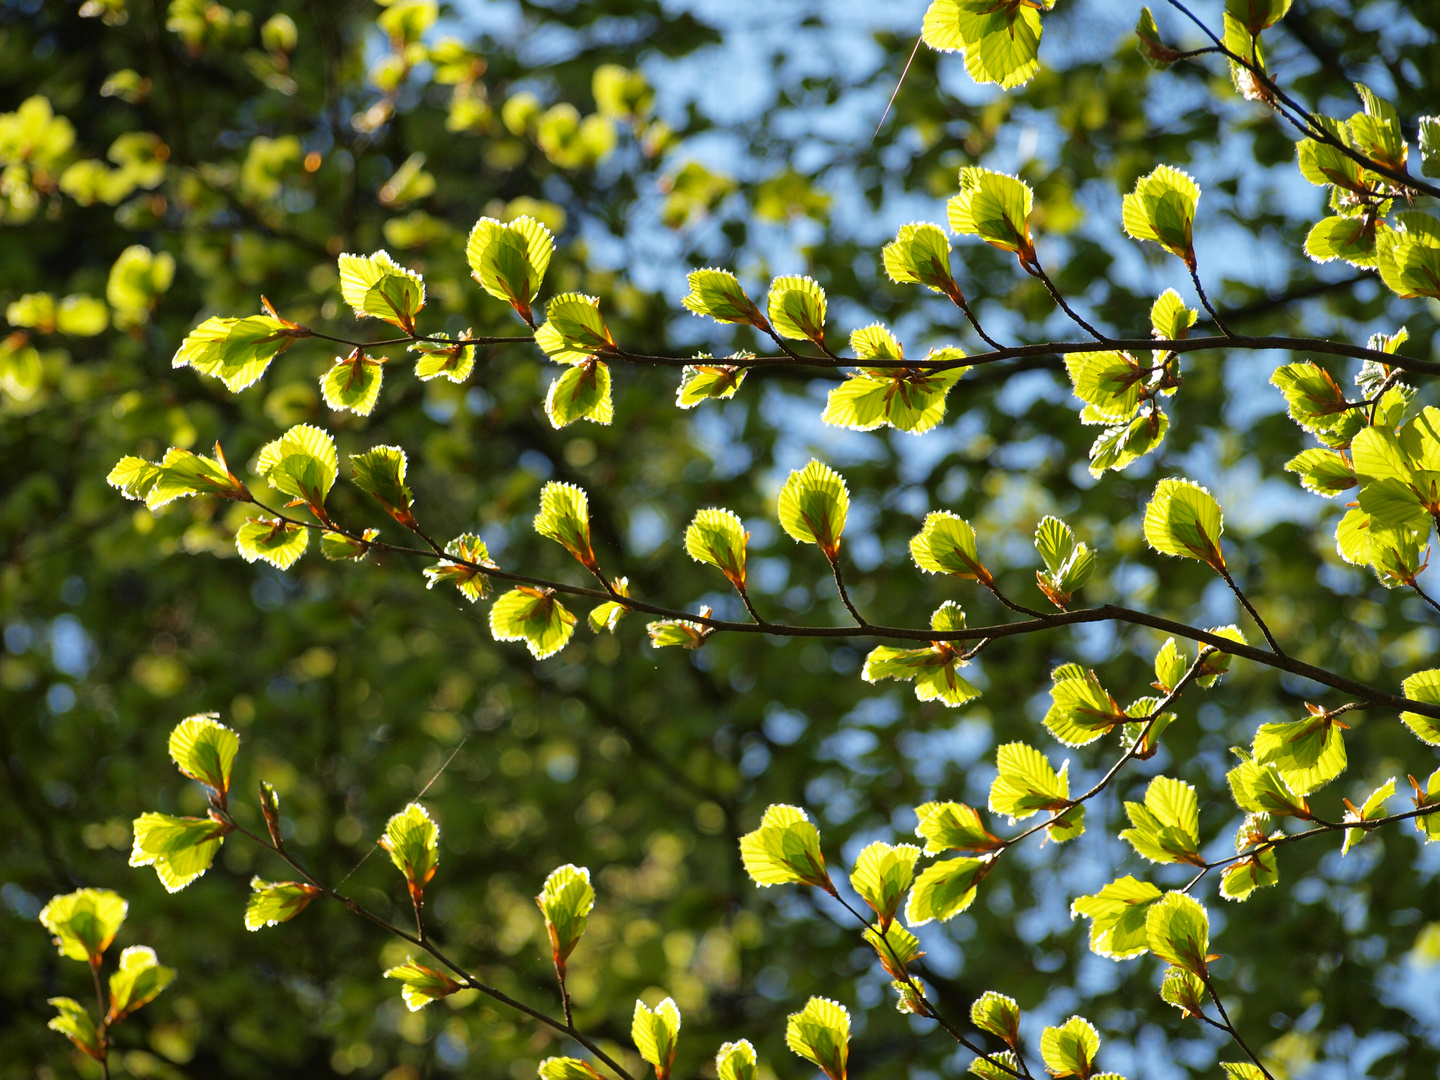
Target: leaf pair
1068,563
935,670
908,399
237,351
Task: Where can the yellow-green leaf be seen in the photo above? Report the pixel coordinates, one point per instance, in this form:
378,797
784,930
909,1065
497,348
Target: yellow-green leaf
274,902
378,287
1184,519
534,616
84,923
413,840
204,749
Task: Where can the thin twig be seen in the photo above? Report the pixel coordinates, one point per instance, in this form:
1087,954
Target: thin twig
1275,645
1038,271
1215,315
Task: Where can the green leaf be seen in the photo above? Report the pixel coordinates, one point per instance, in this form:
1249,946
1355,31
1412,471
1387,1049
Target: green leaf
656,1033
413,841
236,351
180,848
1171,664
1178,931
945,544
1081,710
566,901
813,505
139,981
1409,255
1156,53
936,670
998,1015
1069,1050
1423,686
455,362
909,399
996,208
990,1068
1257,15
84,923
581,393
1260,789
1170,319
820,1033
565,518
920,255
76,1025
1240,41
1068,565
1184,519
179,474
882,874
1428,825
896,947
421,984
465,551
1241,879
378,287
1325,472
1242,1070
566,1068
277,542
1001,42
574,330
1370,810
1121,446
380,472
797,309
785,850
1027,783
1353,239
736,1061
1376,132
301,464
204,749
945,889
1162,208
509,260
274,902
1109,384
1185,991
1430,145
607,616
718,537
1117,917
353,383
701,382
1214,663
682,632
952,826
1167,827
1308,753
718,294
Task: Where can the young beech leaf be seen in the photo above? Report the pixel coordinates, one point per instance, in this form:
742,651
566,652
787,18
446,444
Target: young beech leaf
607,616
656,1034
270,810
301,464
509,260
1257,15
84,923
1370,810
996,208
1260,789
718,294
1240,41
1184,519
1069,1050
139,981
736,1061
920,255
1170,319
882,874
565,518
896,947
566,1068
1068,564
1258,869
952,826
352,384
1171,664
1353,239
1317,403
204,749
935,671
380,471
466,552
274,902
1178,932
180,848
581,393
797,309
413,841
1001,1066
1428,825
1423,686
908,399
1376,132
378,287
179,474
1001,42
1213,662
682,632
420,984
1109,384
1162,208
236,351
945,544
1081,710
1117,917
785,850
1409,255
945,889
1185,991
455,362
718,537
701,382
1167,826
1242,1070
1307,753
1322,471
76,1024
566,901
813,505
277,542
1027,783
820,1033
1156,53
997,1014
574,330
